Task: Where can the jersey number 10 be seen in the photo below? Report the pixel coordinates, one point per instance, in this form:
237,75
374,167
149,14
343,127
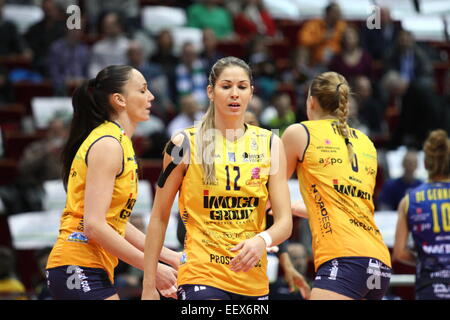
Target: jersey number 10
445,215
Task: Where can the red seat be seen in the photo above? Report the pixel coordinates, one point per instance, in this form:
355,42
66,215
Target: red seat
232,48
8,171
11,117
150,170
24,91
15,143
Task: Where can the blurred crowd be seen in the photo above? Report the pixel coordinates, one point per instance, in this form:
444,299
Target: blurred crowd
396,98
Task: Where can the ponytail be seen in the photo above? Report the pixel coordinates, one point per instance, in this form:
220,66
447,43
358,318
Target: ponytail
91,108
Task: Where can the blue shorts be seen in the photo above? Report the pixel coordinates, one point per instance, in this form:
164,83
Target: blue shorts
434,291
354,277
202,292
79,283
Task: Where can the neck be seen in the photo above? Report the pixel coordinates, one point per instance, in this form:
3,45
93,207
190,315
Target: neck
225,125
125,123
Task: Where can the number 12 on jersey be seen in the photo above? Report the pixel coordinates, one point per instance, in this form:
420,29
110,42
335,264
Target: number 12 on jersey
238,175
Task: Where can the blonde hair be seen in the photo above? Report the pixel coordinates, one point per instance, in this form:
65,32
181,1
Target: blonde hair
205,138
332,92
437,154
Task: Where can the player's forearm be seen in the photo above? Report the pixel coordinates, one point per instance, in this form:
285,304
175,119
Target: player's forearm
153,247
113,243
281,229
405,256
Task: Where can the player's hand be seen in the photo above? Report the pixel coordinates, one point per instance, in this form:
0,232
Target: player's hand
166,281
251,251
295,279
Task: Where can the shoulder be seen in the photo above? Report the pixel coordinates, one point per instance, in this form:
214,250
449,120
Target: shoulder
296,130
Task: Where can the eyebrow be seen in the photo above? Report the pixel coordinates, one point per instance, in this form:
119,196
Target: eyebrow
225,80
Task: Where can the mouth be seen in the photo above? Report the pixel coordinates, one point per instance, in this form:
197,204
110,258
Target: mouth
234,105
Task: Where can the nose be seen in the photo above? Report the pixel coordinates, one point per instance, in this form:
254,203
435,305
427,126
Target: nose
151,97
234,92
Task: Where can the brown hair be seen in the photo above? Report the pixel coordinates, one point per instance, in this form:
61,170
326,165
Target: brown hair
206,132
437,154
332,91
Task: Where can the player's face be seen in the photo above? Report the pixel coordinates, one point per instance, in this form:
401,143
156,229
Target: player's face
232,92
138,97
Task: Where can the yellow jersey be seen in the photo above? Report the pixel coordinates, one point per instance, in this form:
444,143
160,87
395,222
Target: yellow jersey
72,247
218,217
339,194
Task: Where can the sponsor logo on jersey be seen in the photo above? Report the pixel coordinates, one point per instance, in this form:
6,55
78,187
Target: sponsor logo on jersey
330,161
249,157
255,179
229,207
350,190
324,218
370,171
78,237
436,248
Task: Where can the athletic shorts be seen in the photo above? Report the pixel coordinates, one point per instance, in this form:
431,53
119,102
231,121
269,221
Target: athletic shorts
354,277
202,292
434,291
79,283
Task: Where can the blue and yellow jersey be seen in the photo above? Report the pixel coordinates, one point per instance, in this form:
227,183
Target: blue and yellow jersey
72,246
428,216
339,194
218,217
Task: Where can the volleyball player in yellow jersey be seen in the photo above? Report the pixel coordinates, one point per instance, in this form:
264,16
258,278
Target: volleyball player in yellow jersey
336,167
225,171
100,176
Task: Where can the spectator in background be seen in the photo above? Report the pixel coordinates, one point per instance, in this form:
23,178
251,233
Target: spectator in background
256,106
128,8
445,103
408,59
280,115
10,287
370,111
253,19
190,75
190,111
322,37
165,58
112,48
210,53
12,44
68,62
157,81
394,190
250,118
377,40
353,60
209,14
41,159
41,35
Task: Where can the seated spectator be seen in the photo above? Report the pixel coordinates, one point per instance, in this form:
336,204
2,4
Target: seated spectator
256,106
408,59
11,288
353,60
157,81
165,58
112,48
12,44
253,19
210,53
280,115
394,190
41,35
190,112
377,40
370,111
68,62
128,8
41,159
322,37
250,118
190,75
209,14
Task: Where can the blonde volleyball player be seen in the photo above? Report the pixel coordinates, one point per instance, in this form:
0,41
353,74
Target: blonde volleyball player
425,213
336,167
225,171
100,175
